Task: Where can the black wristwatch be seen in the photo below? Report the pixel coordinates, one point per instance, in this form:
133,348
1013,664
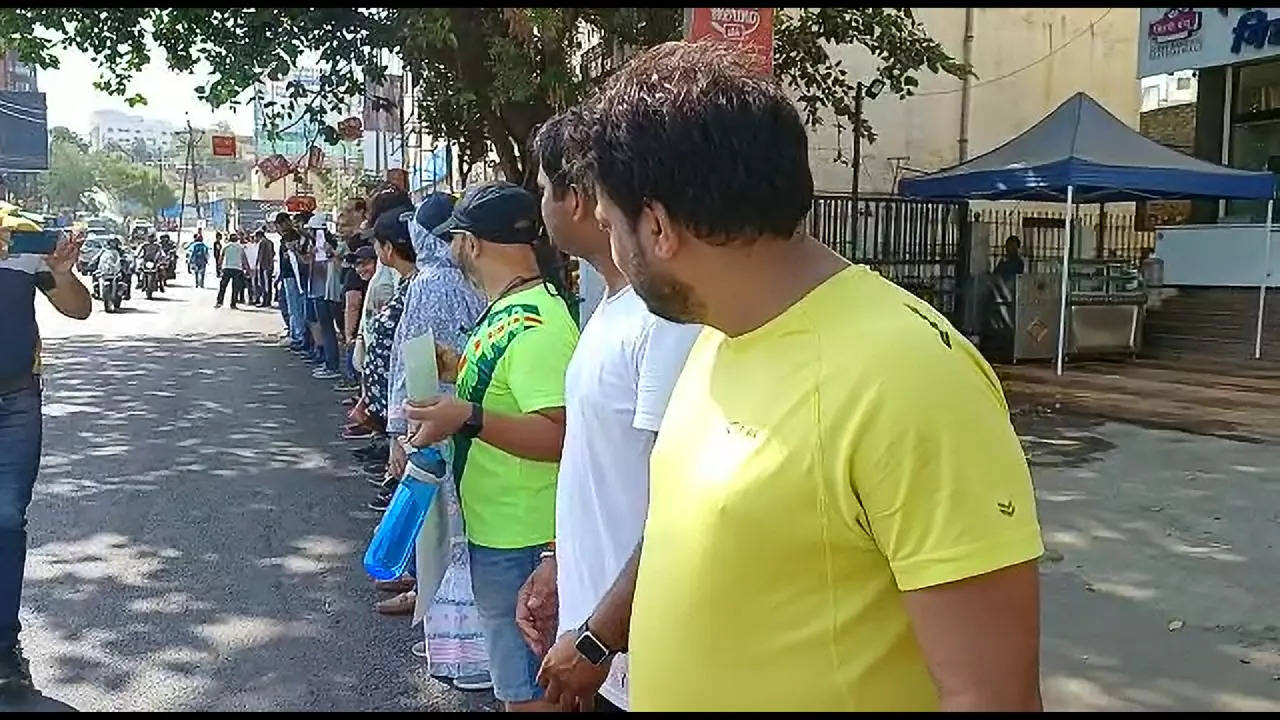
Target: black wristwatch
474,424
591,648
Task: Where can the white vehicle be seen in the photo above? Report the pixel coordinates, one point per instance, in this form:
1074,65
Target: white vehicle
141,228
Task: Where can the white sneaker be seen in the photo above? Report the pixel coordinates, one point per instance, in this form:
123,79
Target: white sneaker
473,683
321,373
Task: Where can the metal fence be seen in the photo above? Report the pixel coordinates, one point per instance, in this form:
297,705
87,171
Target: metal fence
1042,232
922,246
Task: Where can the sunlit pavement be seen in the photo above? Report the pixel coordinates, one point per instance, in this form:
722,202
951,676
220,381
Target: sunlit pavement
197,527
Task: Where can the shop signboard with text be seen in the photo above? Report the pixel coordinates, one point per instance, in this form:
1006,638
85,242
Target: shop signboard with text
752,28
1172,39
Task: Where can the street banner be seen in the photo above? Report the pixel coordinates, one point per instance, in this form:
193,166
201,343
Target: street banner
751,28
351,128
274,167
224,145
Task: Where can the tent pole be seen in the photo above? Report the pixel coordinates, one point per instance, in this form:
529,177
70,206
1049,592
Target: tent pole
1066,262
1266,279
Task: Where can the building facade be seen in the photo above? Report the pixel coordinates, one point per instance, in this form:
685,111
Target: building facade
1168,89
1235,54
126,129
16,76
1027,61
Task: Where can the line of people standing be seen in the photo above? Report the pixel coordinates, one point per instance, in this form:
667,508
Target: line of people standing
760,478
245,262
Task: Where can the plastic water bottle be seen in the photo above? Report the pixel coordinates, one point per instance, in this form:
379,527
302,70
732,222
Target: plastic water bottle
392,546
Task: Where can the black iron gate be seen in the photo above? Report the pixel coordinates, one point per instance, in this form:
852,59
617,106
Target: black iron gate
921,245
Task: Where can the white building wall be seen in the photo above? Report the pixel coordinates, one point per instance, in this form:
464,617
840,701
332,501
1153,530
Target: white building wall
1028,60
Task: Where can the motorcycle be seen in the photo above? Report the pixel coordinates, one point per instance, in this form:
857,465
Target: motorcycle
110,282
162,271
149,277
112,288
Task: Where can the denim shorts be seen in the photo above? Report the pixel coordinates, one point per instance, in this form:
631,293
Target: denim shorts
496,577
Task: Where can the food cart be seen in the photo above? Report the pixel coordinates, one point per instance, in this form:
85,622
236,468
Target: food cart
1077,154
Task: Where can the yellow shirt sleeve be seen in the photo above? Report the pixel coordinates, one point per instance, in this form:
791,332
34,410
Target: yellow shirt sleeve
939,475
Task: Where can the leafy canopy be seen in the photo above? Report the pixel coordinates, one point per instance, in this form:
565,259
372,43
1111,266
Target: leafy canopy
484,77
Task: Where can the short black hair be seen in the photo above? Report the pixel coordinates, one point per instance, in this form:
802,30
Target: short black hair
698,128
386,197
561,146
403,248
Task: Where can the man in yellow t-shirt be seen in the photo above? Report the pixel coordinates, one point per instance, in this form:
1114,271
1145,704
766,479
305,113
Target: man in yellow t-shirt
841,516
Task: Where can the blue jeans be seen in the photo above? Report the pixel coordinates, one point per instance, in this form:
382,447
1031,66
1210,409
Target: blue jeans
496,578
328,332
283,304
198,271
349,363
297,314
20,436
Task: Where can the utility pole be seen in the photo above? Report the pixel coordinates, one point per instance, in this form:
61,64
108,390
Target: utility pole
195,172
870,91
182,208
857,163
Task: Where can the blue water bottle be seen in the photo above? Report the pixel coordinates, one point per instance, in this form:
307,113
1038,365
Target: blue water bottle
392,546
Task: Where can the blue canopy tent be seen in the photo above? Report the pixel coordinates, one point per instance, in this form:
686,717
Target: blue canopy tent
1081,153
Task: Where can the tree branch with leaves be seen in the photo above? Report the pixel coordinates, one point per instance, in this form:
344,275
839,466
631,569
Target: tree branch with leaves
484,78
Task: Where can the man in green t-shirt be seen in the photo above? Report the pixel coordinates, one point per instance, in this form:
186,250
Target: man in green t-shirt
507,419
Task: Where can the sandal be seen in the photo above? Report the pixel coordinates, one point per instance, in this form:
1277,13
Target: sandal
401,604
399,585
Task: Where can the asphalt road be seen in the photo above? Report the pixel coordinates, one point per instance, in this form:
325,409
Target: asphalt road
197,526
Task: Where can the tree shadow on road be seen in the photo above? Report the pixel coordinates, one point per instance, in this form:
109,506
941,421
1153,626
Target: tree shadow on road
194,539
1159,580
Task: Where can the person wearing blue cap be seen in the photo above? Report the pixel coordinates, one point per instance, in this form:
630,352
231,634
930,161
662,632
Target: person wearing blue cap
439,300
507,416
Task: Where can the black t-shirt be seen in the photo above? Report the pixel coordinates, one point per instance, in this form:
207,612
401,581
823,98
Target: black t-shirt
286,266
351,281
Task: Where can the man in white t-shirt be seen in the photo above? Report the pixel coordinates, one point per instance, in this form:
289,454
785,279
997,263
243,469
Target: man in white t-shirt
616,390
251,277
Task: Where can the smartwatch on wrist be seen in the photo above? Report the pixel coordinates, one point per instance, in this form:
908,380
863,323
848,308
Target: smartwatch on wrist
591,648
474,424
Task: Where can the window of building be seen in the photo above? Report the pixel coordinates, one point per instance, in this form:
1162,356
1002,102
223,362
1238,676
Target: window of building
1150,97
1255,131
1183,83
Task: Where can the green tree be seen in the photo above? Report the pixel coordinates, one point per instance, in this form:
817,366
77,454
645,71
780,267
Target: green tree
71,175
139,189
486,77
60,134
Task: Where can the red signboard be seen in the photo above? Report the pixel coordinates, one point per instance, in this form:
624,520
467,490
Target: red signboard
300,203
224,145
274,167
750,27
